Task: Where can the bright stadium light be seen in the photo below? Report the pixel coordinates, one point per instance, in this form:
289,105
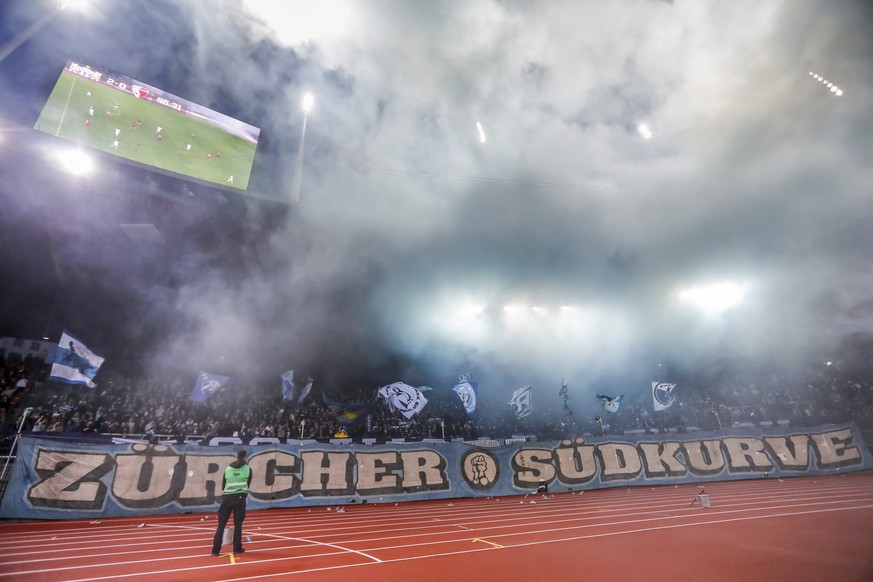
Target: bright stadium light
832,87
645,131
715,298
307,102
77,162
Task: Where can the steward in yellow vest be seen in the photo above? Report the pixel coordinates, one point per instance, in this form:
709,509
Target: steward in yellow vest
234,490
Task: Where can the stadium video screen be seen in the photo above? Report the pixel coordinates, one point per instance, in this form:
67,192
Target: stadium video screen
133,120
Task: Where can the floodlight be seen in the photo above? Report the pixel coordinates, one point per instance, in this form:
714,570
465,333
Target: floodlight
77,162
308,102
714,298
644,131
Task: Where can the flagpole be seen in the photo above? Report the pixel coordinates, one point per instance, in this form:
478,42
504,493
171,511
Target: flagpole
15,441
717,417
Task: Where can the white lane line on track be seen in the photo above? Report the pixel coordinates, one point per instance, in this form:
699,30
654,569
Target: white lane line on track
491,535
489,549
458,540
764,489
287,538
684,512
527,544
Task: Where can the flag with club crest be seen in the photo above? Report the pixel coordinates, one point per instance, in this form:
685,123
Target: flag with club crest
468,392
403,398
521,401
206,385
663,395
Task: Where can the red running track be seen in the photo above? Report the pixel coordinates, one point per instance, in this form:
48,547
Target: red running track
805,528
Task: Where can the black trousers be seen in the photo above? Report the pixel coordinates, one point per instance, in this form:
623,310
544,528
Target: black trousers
235,504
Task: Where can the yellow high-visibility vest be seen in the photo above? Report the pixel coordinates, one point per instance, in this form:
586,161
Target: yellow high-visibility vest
236,480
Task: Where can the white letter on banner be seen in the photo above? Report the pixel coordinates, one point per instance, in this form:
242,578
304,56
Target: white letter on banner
831,449
203,476
704,458
793,457
375,472
66,487
274,476
423,471
530,466
660,459
336,467
576,464
144,479
746,454
620,461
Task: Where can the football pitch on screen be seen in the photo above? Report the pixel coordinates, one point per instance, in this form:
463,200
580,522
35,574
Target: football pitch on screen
120,123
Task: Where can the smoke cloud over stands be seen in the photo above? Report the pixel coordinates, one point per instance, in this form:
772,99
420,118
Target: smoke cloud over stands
412,236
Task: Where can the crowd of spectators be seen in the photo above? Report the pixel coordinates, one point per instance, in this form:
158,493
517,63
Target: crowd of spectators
153,406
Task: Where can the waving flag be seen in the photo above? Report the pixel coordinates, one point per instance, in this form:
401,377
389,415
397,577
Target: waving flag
403,398
207,384
347,414
468,392
610,403
74,363
521,401
565,397
291,392
663,395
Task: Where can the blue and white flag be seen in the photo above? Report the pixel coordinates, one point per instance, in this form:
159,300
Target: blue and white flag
610,403
291,392
521,401
663,395
406,399
468,392
74,363
207,384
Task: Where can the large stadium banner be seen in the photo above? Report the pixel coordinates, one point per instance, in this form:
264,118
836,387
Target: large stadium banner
62,480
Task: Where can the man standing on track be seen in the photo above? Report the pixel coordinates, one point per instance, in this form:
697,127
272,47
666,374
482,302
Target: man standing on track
235,489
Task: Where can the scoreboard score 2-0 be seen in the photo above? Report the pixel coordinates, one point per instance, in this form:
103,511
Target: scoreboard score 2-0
121,116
